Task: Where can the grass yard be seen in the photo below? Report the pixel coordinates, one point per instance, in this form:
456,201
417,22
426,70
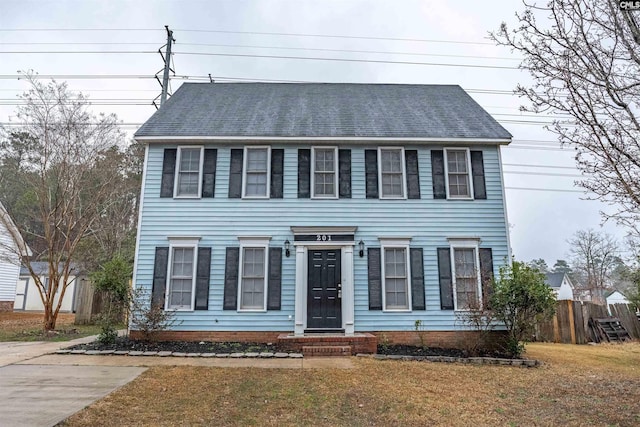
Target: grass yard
578,385
27,326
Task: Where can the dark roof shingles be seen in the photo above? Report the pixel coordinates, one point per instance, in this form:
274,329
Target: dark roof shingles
322,110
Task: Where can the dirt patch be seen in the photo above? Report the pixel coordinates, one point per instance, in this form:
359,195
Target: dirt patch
28,326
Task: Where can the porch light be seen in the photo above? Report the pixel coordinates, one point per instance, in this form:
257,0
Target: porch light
361,246
287,246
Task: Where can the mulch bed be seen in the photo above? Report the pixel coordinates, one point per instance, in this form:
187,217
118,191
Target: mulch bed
124,343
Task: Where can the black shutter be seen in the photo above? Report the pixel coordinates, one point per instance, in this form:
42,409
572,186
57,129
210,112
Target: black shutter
277,172
235,173
477,172
444,274
486,275
417,279
375,279
371,173
230,299
304,173
209,172
437,174
168,172
275,279
203,272
344,175
413,178
159,286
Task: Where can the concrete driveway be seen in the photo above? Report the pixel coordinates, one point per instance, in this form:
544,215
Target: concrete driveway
44,395
32,394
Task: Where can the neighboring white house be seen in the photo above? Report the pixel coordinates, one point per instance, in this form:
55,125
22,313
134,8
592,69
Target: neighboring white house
561,285
9,261
616,297
27,294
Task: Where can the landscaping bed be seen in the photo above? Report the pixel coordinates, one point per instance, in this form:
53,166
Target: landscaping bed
125,344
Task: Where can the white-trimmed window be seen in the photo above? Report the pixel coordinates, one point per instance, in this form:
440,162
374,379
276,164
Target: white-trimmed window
257,165
189,172
183,255
392,173
458,172
252,295
467,291
324,176
396,290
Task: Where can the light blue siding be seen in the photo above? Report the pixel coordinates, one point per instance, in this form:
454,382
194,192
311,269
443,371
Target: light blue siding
219,221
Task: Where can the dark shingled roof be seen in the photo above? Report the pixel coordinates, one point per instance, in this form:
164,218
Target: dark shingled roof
322,110
554,280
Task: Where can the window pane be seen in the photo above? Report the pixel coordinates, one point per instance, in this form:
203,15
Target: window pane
396,284
458,173
324,172
253,275
188,172
181,280
466,278
256,173
391,173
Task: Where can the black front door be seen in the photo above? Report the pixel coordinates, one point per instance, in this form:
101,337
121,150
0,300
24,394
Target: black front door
323,297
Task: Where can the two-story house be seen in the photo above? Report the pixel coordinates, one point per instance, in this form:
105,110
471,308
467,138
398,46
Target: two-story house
294,209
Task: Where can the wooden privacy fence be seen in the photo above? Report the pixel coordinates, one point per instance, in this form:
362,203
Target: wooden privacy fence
89,302
570,323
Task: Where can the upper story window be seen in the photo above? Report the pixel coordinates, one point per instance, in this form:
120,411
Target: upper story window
325,177
256,172
189,172
392,173
458,166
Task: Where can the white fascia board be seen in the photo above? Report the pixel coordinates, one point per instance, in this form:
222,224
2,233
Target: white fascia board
320,139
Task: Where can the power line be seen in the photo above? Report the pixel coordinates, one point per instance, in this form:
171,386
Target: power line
545,189
539,166
246,55
543,174
260,33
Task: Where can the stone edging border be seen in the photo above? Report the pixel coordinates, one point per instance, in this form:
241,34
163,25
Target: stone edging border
524,363
266,355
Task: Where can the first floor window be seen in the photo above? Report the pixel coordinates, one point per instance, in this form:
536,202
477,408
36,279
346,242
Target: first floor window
466,278
392,173
188,176
181,276
459,186
253,279
256,172
395,275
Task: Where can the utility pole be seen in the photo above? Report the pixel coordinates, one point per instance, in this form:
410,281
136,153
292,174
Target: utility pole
164,85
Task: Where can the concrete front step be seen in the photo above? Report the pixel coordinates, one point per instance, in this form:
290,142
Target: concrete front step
326,350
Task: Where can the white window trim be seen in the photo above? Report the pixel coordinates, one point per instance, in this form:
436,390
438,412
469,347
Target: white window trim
177,173
465,244
244,171
404,173
253,242
182,242
313,172
469,173
395,243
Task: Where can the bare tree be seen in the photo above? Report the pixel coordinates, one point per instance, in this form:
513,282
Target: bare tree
585,65
68,179
594,257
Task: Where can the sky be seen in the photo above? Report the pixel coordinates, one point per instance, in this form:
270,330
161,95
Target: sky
109,51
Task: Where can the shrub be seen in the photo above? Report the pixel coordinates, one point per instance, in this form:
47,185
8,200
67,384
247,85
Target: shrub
149,318
520,299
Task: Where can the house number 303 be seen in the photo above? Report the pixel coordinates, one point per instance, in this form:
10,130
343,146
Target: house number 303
323,237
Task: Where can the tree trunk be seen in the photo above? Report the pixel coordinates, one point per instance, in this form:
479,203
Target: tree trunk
50,317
